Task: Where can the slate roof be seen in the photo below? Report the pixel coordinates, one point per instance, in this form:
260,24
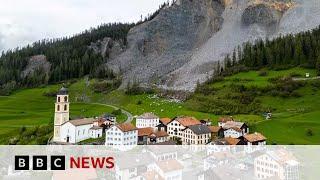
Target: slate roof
199,129
63,91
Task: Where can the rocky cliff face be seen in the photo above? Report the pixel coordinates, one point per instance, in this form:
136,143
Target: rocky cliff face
178,48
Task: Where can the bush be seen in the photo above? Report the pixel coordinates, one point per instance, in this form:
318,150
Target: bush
263,73
309,132
50,93
116,112
139,102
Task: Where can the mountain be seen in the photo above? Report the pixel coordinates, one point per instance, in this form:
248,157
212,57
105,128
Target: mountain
181,45
174,48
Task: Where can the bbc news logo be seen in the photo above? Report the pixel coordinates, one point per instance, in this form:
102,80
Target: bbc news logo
59,162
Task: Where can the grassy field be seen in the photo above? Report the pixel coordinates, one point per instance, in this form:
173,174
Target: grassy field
292,116
252,78
29,107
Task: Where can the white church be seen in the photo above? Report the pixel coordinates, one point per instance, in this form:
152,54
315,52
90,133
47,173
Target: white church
72,131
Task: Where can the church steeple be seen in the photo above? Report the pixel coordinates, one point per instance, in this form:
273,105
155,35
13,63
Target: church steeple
61,115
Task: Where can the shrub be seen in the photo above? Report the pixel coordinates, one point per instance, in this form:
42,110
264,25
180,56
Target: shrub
139,102
309,132
116,112
263,73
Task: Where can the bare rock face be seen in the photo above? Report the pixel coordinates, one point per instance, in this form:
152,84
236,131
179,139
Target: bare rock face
180,46
107,47
260,14
160,46
38,62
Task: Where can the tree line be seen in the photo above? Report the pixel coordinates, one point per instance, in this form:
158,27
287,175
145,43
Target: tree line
284,52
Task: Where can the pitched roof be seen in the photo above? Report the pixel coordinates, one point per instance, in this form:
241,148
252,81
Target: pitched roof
254,137
230,124
236,129
225,119
199,129
80,122
148,131
214,129
125,127
187,121
145,131
160,134
232,141
165,121
148,115
169,165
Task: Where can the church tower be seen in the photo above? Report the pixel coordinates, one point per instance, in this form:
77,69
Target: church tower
61,114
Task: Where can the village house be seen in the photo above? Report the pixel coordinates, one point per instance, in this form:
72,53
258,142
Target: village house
71,131
196,135
175,127
147,120
80,129
223,120
235,129
206,122
150,136
255,139
279,164
124,134
162,126
108,119
216,132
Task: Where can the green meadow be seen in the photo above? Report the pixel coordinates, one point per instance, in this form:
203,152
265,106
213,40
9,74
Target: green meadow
30,107
293,117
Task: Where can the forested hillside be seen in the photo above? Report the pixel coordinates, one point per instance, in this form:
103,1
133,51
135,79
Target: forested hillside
69,57
242,95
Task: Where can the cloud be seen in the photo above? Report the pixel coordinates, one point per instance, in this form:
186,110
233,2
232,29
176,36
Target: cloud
23,22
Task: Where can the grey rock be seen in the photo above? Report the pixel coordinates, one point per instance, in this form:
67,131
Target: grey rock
35,63
181,46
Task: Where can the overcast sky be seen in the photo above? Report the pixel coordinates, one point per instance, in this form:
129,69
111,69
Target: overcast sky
26,21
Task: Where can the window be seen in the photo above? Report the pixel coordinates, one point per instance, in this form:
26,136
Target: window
65,99
58,99
58,108
65,107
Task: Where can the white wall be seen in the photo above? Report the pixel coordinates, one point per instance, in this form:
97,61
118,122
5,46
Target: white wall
114,136
75,133
142,123
95,133
232,133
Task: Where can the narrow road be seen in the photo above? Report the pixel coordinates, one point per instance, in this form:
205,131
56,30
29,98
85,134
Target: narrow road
128,114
